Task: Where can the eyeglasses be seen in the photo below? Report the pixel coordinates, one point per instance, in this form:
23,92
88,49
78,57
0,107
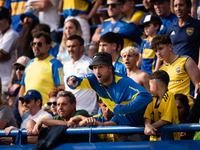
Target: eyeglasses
33,44
113,5
20,68
50,103
25,101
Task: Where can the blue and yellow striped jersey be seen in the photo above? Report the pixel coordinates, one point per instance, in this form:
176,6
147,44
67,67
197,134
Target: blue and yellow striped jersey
131,98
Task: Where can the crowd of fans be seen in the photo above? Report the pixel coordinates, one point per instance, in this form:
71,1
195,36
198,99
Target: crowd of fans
139,66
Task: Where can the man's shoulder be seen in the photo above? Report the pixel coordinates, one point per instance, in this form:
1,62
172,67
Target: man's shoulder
57,117
53,60
12,33
86,59
82,112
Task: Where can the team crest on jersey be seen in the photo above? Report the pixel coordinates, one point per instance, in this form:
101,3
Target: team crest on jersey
189,31
178,69
116,29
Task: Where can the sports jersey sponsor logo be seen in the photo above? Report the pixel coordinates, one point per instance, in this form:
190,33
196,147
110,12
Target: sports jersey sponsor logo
175,82
190,31
178,69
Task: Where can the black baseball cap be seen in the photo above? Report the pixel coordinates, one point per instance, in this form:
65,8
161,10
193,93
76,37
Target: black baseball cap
150,19
101,58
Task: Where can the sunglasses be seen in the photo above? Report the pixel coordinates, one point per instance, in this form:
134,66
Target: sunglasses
33,44
50,103
25,101
20,68
113,5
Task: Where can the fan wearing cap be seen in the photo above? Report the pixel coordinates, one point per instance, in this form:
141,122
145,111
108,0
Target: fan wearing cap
32,102
162,9
16,76
123,96
29,20
8,38
148,61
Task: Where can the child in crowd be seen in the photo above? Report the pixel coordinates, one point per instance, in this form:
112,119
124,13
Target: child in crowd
162,110
148,61
130,56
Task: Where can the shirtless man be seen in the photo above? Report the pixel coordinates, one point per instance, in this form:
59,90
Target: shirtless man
130,56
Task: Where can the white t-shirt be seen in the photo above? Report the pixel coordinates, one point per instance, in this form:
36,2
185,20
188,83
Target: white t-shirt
40,114
8,41
85,98
49,15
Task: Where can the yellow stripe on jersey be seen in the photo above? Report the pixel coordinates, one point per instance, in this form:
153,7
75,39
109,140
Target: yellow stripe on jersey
76,4
61,75
85,84
128,42
117,78
137,16
110,104
148,54
18,8
3,52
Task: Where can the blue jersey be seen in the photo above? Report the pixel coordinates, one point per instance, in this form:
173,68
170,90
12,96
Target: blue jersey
119,66
148,57
186,39
17,8
131,98
54,49
166,22
128,30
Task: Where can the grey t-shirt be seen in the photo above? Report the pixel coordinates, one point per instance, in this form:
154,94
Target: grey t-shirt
6,115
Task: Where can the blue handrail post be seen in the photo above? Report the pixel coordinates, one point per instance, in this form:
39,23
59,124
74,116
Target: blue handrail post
23,137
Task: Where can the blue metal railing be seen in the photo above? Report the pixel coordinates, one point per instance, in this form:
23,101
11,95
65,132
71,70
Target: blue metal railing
113,129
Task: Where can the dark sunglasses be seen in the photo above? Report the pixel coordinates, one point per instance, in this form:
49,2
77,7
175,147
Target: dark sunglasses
20,68
33,44
25,101
50,103
113,5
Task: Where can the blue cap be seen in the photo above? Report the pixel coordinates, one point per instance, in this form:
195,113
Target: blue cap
30,94
30,11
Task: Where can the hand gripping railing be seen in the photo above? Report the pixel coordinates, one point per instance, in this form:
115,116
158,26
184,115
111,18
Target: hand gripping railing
114,129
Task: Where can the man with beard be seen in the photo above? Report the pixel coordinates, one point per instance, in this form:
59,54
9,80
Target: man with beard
29,19
42,73
123,96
